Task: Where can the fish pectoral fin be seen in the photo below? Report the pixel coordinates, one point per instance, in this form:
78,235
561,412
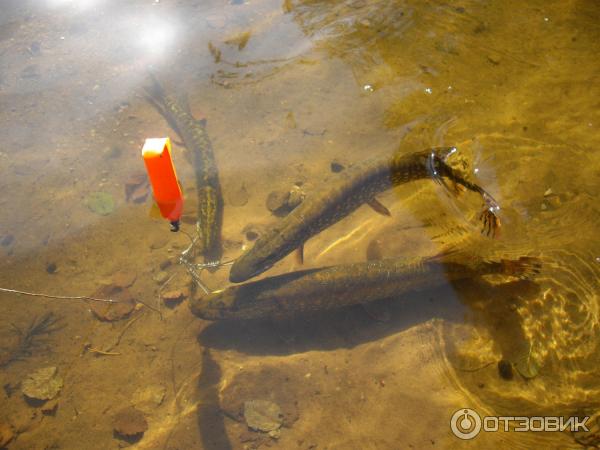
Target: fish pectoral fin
300,254
201,122
379,207
377,311
178,143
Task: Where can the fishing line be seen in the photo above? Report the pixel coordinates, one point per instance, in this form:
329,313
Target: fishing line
195,269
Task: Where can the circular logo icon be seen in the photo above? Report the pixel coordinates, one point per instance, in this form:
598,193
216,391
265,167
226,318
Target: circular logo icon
465,424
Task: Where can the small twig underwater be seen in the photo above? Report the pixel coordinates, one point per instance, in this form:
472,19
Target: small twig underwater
102,352
61,297
108,351
160,290
476,369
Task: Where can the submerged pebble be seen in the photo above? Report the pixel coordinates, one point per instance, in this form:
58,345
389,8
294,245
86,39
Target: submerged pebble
505,369
276,201
165,264
238,196
161,277
113,152
295,197
336,166
7,240
281,203
252,231
173,297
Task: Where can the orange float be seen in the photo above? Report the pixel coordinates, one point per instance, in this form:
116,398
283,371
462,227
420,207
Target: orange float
165,186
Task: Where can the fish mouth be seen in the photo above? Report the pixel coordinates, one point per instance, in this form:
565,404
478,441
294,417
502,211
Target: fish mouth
207,314
201,309
235,277
240,272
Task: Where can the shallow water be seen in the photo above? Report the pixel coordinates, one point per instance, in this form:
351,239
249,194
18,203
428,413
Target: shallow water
287,88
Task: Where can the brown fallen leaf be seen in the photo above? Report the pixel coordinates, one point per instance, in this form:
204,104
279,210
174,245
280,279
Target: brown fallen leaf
140,193
175,296
129,422
137,188
124,278
112,312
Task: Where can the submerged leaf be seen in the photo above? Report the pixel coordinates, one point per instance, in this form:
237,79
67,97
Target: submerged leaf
262,415
527,366
100,202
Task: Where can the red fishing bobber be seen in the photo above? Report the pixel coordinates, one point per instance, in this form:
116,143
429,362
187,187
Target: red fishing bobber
165,186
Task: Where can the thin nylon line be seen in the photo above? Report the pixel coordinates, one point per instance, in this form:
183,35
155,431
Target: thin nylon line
62,297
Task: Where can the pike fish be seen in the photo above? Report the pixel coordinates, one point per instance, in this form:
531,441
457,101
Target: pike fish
337,286
195,138
346,192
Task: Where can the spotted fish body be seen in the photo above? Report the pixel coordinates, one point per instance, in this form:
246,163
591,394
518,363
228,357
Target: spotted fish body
344,193
337,286
195,138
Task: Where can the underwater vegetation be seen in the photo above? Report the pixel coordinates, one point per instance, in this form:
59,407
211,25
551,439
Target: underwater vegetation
29,339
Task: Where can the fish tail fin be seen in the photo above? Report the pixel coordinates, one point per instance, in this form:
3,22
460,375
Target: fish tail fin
490,221
440,168
525,267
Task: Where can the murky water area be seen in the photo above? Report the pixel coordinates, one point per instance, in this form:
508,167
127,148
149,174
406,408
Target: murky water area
296,92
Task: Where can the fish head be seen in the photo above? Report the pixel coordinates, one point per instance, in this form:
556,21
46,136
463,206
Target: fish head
246,267
213,306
